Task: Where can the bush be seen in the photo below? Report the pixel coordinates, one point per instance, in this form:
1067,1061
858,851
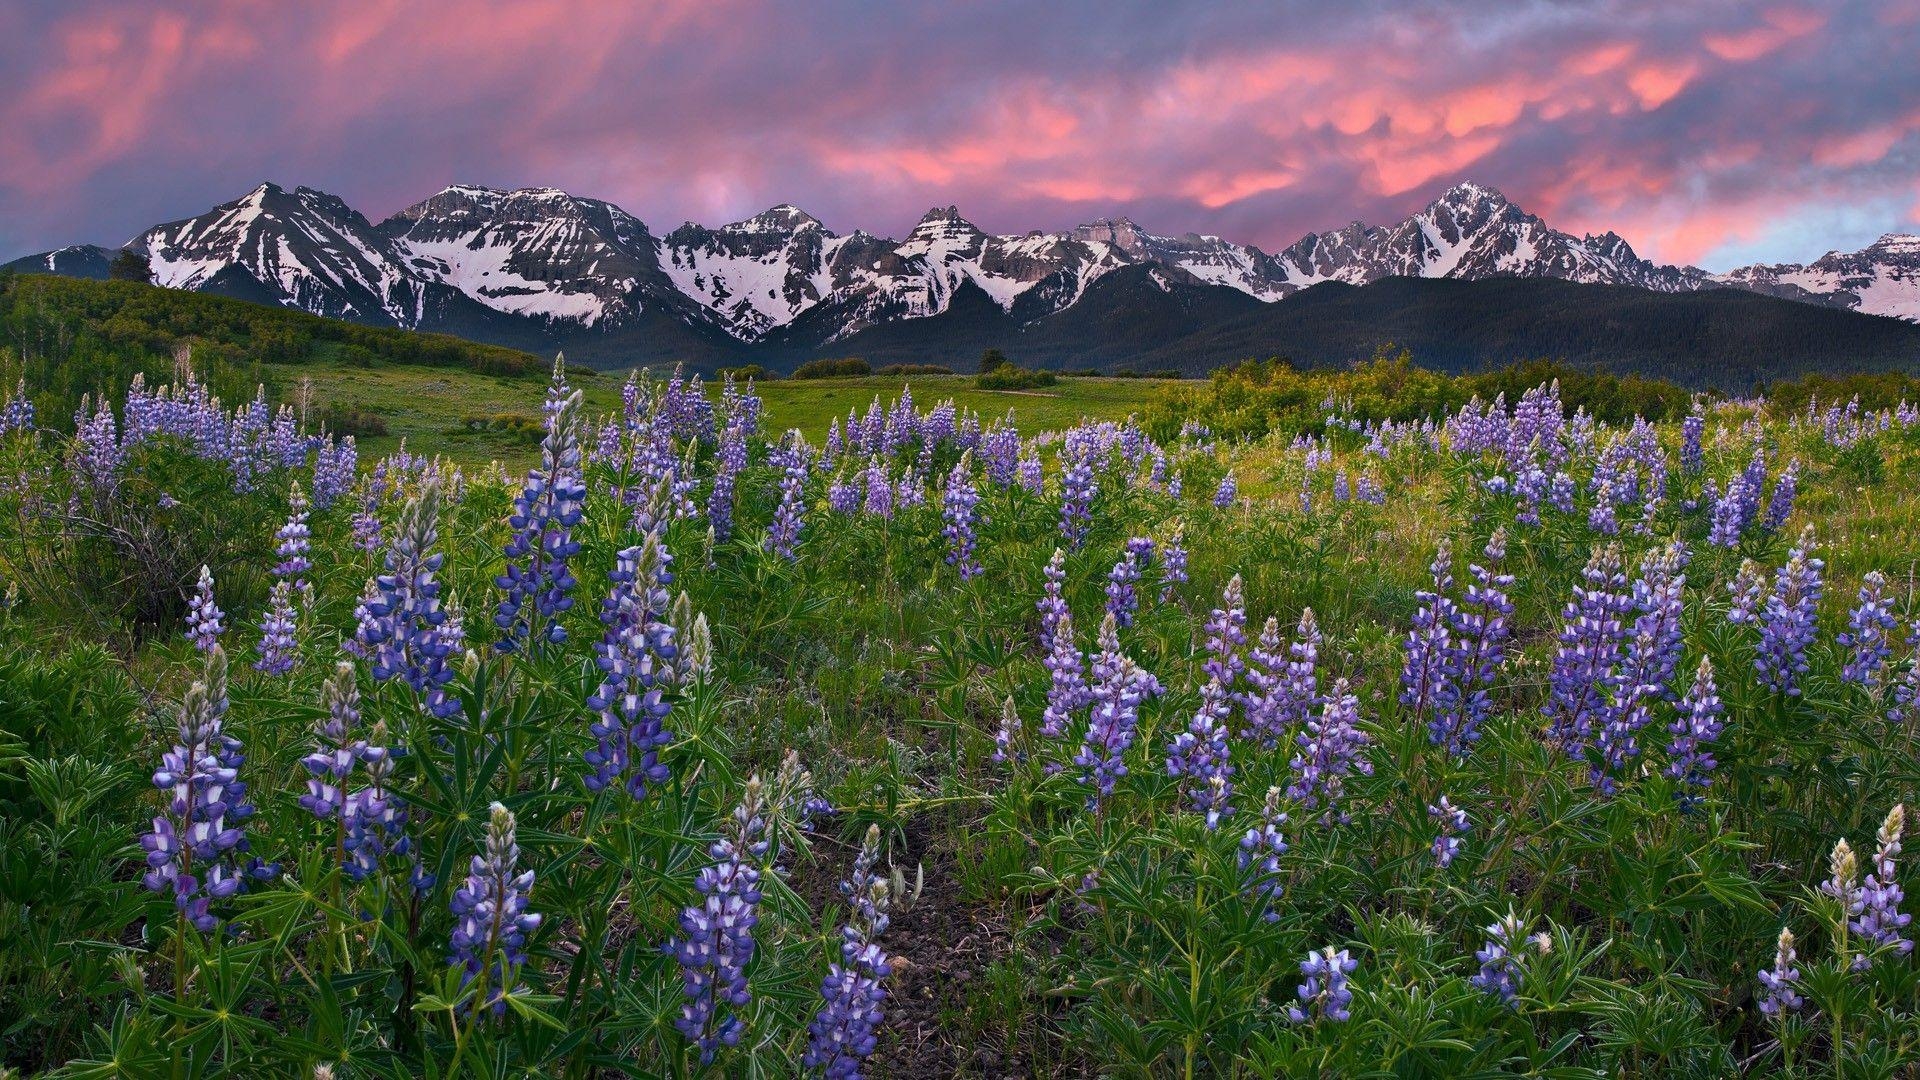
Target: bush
993,360
1014,378
915,369
833,369
745,372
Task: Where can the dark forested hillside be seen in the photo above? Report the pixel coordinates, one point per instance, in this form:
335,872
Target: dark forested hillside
1723,338
1142,319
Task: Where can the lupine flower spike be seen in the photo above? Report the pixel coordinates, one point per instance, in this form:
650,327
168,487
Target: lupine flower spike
842,1034
491,920
1325,995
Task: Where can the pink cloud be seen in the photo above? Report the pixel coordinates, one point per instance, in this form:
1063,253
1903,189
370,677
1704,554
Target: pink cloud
1639,116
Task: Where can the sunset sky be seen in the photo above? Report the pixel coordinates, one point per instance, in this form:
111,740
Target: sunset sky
1715,133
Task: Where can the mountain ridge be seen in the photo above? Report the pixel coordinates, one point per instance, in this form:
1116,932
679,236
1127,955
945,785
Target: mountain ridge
541,267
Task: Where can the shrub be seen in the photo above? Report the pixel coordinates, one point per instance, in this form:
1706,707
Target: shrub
833,369
915,369
1014,378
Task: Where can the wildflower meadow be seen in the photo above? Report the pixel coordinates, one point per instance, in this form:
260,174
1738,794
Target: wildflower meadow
1495,738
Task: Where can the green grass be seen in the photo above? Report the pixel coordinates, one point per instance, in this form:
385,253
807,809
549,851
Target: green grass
428,406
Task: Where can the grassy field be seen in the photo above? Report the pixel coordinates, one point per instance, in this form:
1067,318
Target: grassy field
431,406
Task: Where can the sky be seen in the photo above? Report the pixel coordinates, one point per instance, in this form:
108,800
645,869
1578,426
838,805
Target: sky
1714,133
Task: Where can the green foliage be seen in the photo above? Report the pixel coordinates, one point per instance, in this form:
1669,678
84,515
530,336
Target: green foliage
1255,397
69,338
1008,377
992,360
833,369
130,265
896,370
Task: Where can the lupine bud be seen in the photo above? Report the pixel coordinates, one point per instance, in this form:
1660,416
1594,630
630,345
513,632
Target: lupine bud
1777,993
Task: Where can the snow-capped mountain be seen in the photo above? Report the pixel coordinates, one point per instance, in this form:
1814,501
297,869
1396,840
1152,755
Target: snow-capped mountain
1882,278
304,248
539,265
1473,232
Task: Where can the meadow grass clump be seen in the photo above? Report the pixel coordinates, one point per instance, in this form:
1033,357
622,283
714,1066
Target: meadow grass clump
1442,735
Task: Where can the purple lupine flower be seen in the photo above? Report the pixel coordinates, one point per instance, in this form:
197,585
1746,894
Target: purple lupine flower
1749,589
1647,671
1118,688
1689,755
1067,690
366,526
17,415
1843,875
728,464
1477,646
204,618
1262,846
1078,488
1228,492
636,656
376,818
1122,598
1285,692
1260,703
1430,648
1499,958
1031,473
843,495
1173,563
1199,756
1331,748
1226,630
1601,518
957,510
295,541
194,849
403,630
1906,688
1780,504
537,581
909,492
1777,984
1052,604
1326,994
1867,628
1740,503
841,1035
279,647
1787,625
1586,665
783,536
334,466
716,931
490,917
879,498
1692,429
1452,821
1877,918
333,753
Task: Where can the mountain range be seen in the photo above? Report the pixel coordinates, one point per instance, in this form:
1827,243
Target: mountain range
539,269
